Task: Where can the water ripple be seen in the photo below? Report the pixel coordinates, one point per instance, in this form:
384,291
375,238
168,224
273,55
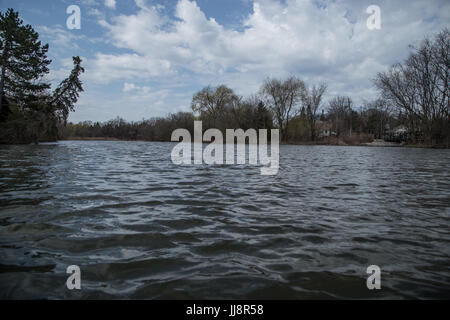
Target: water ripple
141,227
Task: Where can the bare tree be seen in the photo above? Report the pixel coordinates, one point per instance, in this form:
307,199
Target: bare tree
312,99
340,113
282,98
376,115
420,87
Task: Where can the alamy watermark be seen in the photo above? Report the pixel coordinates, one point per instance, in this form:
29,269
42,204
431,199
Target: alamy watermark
214,152
374,21
74,280
374,280
74,20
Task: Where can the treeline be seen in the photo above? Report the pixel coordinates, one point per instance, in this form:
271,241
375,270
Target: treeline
29,110
341,121
413,103
155,129
413,106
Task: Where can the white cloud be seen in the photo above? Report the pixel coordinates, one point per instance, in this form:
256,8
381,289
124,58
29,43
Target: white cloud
95,12
108,67
110,4
131,87
89,2
59,38
315,40
127,87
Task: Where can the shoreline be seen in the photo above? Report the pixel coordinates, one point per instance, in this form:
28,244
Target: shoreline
374,144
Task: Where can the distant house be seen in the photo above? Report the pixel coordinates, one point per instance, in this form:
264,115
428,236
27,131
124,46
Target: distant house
397,134
323,129
399,130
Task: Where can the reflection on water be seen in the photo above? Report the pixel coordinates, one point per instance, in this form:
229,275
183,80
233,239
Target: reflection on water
141,227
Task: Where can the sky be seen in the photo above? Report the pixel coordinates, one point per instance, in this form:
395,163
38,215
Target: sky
147,58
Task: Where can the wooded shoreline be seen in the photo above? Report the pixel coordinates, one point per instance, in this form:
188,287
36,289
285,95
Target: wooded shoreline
300,143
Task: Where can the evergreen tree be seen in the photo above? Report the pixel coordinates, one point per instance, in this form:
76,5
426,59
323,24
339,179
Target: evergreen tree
24,64
23,61
67,93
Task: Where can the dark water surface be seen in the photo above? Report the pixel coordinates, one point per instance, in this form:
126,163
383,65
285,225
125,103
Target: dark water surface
140,227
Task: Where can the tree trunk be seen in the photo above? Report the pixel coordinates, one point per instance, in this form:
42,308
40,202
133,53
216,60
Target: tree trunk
2,88
313,130
2,81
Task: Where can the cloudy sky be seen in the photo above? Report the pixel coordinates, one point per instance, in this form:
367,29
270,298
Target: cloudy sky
146,58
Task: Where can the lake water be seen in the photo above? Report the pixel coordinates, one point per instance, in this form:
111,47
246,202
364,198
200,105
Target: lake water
141,227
